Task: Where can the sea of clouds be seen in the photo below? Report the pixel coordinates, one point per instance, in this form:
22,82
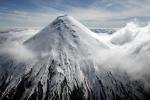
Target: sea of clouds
129,50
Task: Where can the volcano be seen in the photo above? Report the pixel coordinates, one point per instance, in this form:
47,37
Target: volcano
66,67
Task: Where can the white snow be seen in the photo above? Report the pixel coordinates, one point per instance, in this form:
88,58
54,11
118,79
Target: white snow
77,54
127,48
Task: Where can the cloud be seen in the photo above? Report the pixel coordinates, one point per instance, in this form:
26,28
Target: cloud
29,19
131,55
107,13
16,51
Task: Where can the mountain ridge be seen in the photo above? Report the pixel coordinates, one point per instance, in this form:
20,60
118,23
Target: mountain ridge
66,68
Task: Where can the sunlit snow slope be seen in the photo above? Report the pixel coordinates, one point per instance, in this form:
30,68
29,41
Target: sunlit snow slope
66,61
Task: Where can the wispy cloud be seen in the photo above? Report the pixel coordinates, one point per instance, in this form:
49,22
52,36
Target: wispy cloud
99,12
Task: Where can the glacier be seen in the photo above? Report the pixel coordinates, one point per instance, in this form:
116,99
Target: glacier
67,61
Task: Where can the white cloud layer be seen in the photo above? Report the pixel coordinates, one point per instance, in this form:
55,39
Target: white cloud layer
129,51
16,51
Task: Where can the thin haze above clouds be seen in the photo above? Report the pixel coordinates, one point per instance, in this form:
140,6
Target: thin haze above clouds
92,13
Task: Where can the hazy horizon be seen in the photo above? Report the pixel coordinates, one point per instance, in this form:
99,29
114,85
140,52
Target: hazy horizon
92,13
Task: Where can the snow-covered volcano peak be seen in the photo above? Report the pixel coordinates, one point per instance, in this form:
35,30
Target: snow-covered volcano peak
72,63
64,31
70,22
63,16
64,19
61,20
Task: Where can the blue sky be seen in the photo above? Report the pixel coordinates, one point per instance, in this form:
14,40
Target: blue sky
92,13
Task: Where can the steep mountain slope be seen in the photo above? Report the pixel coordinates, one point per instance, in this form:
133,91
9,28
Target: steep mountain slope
66,66
64,31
